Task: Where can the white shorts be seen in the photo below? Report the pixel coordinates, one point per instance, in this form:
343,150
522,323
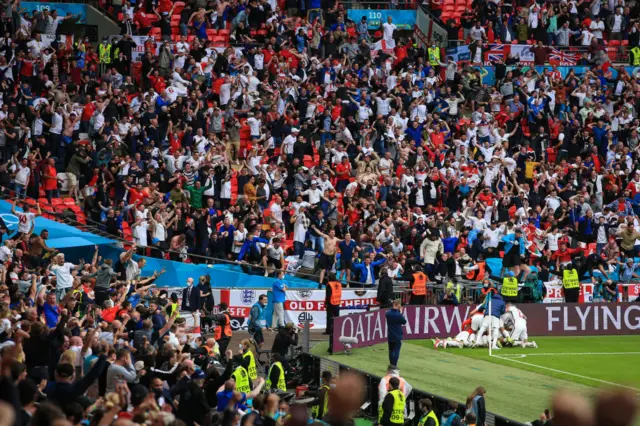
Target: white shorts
463,336
519,331
490,322
476,322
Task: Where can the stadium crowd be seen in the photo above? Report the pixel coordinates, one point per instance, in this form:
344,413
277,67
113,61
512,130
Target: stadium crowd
305,146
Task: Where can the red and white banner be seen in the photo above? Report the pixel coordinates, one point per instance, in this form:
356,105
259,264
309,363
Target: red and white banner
555,293
309,305
299,306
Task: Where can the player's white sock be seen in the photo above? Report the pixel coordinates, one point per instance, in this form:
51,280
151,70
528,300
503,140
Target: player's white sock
505,334
453,343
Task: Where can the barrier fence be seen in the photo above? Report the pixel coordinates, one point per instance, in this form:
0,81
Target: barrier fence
427,322
314,366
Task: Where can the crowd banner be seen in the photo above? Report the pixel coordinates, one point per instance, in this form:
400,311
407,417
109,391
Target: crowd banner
303,305
555,292
63,9
138,51
427,322
300,305
429,30
403,19
488,72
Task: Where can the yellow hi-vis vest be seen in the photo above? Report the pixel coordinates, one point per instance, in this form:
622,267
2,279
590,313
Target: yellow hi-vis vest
509,287
282,384
252,364
429,415
570,278
315,412
173,308
635,56
241,377
397,414
457,290
105,53
434,55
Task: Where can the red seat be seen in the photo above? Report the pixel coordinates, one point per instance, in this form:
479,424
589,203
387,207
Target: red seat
219,40
69,201
56,201
614,42
224,32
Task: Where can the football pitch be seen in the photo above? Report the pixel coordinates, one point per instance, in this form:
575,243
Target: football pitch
519,382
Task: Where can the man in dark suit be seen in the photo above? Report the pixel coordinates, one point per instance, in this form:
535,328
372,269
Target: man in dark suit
395,321
191,297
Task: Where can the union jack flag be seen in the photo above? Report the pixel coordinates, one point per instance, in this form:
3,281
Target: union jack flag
562,57
495,52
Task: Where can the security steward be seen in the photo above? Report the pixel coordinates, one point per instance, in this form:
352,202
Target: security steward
321,402
418,288
275,377
392,413
571,284
174,306
428,418
509,290
248,359
241,377
223,332
332,300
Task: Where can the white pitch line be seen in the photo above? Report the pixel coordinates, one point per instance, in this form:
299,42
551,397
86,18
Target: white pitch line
565,354
569,374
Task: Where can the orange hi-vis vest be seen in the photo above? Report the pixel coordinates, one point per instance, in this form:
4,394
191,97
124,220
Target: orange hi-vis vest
336,293
419,284
477,274
217,334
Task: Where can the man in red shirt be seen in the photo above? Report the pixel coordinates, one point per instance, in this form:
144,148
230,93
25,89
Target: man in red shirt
343,172
141,19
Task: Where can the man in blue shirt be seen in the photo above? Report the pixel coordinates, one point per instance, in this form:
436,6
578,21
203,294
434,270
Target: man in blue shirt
347,246
279,296
395,321
414,133
366,270
226,391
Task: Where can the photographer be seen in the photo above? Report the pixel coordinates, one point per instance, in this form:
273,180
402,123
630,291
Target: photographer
285,339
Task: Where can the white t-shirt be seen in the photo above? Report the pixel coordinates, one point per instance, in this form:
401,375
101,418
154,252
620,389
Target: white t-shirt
56,124
140,233
587,36
225,94
314,195
254,125
24,221
23,175
388,30
64,279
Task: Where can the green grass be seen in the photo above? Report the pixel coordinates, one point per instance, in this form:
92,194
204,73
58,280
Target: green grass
515,390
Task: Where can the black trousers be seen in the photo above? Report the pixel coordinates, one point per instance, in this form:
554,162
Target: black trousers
223,342
417,300
332,312
101,295
571,295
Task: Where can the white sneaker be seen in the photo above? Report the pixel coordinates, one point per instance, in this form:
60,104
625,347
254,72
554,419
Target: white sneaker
535,345
495,348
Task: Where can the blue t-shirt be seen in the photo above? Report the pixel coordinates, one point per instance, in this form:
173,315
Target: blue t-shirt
51,314
225,396
279,296
346,250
